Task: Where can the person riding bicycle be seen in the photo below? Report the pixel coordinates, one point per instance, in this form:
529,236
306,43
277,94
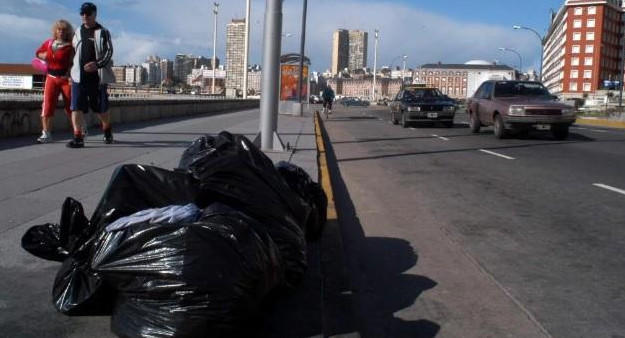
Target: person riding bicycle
328,97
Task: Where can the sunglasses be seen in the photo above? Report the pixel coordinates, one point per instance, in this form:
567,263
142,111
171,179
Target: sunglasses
87,13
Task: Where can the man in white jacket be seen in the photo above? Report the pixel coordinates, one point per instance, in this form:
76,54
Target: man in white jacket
91,72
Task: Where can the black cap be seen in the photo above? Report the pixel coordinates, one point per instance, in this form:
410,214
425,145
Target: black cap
88,8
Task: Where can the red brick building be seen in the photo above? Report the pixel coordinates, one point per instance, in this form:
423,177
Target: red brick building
583,48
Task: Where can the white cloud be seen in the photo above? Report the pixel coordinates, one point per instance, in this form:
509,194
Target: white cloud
163,27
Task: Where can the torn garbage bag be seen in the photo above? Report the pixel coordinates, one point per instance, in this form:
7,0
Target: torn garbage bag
201,279
231,170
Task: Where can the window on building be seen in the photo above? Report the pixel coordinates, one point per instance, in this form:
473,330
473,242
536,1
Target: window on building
588,61
590,48
574,61
573,86
586,86
590,35
578,11
577,23
592,10
577,36
587,74
574,74
575,49
590,23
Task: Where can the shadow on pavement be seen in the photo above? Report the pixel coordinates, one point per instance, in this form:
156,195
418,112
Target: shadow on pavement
376,268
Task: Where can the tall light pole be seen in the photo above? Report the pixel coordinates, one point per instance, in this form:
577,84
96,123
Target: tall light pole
517,53
300,86
403,72
375,63
215,11
247,47
542,46
620,80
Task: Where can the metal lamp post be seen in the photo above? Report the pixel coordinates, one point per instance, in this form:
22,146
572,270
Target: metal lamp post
403,72
542,45
375,64
247,47
215,11
517,53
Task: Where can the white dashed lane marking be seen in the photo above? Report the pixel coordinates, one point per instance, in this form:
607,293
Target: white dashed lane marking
440,137
496,154
605,186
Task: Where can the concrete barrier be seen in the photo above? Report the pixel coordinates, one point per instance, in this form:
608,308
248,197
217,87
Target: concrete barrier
19,118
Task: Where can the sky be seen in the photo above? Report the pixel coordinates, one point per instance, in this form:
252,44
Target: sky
426,31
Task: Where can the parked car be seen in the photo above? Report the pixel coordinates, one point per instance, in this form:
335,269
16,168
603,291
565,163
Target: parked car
518,106
353,101
314,99
422,104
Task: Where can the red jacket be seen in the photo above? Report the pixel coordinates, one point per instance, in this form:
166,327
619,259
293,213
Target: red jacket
59,60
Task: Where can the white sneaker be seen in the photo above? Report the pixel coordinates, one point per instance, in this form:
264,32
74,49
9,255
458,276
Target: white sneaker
44,138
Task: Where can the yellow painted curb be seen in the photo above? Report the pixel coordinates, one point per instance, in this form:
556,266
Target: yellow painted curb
601,123
324,173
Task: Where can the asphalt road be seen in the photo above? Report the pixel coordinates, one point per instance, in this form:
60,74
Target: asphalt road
453,234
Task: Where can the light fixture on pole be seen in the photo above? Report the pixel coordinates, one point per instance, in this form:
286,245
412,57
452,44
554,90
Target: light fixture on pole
375,63
542,47
247,47
517,53
215,11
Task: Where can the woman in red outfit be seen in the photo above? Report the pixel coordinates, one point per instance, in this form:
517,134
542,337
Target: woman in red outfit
58,53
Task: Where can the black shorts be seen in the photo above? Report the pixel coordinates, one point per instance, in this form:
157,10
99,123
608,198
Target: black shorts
327,103
94,97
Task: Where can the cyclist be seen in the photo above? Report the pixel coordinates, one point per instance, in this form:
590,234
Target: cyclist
328,97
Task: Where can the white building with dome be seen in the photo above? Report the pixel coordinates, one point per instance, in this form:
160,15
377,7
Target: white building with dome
460,81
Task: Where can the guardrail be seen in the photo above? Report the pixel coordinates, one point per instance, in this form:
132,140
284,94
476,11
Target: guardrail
36,96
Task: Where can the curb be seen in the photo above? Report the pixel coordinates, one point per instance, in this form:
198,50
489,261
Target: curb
600,122
337,303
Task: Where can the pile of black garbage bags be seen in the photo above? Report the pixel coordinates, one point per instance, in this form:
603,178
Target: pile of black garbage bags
191,252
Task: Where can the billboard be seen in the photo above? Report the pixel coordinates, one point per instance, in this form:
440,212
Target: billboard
289,82
16,82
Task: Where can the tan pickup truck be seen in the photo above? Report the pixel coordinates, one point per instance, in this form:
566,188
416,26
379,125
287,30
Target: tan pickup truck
510,105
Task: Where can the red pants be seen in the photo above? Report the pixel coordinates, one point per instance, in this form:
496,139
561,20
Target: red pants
54,86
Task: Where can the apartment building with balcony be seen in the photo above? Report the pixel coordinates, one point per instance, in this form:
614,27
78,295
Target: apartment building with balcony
349,50
583,48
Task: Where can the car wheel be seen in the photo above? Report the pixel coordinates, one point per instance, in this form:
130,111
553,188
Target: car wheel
560,132
474,124
394,118
404,123
500,129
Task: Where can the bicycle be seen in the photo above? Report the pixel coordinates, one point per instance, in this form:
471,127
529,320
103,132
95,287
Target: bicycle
325,112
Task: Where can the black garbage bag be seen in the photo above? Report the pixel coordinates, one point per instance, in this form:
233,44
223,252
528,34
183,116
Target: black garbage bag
56,242
231,170
135,187
202,279
311,191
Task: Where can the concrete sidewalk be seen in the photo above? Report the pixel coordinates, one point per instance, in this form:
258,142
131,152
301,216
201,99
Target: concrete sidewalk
37,178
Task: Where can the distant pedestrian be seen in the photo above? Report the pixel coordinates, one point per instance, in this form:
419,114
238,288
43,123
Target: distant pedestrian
91,72
328,97
57,52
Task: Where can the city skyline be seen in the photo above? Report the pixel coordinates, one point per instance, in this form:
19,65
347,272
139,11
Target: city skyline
454,32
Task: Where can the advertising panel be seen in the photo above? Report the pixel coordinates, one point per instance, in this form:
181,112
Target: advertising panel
289,82
16,82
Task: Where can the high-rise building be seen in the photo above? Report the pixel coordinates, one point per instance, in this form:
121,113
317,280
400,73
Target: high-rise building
349,50
582,49
235,55
183,64
167,69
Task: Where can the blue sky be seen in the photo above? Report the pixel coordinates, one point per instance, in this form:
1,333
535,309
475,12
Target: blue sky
427,31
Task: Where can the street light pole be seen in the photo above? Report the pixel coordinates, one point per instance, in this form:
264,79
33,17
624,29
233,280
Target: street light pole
375,63
542,47
517,53
300,86
216,11
620,80
247,47
403,72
